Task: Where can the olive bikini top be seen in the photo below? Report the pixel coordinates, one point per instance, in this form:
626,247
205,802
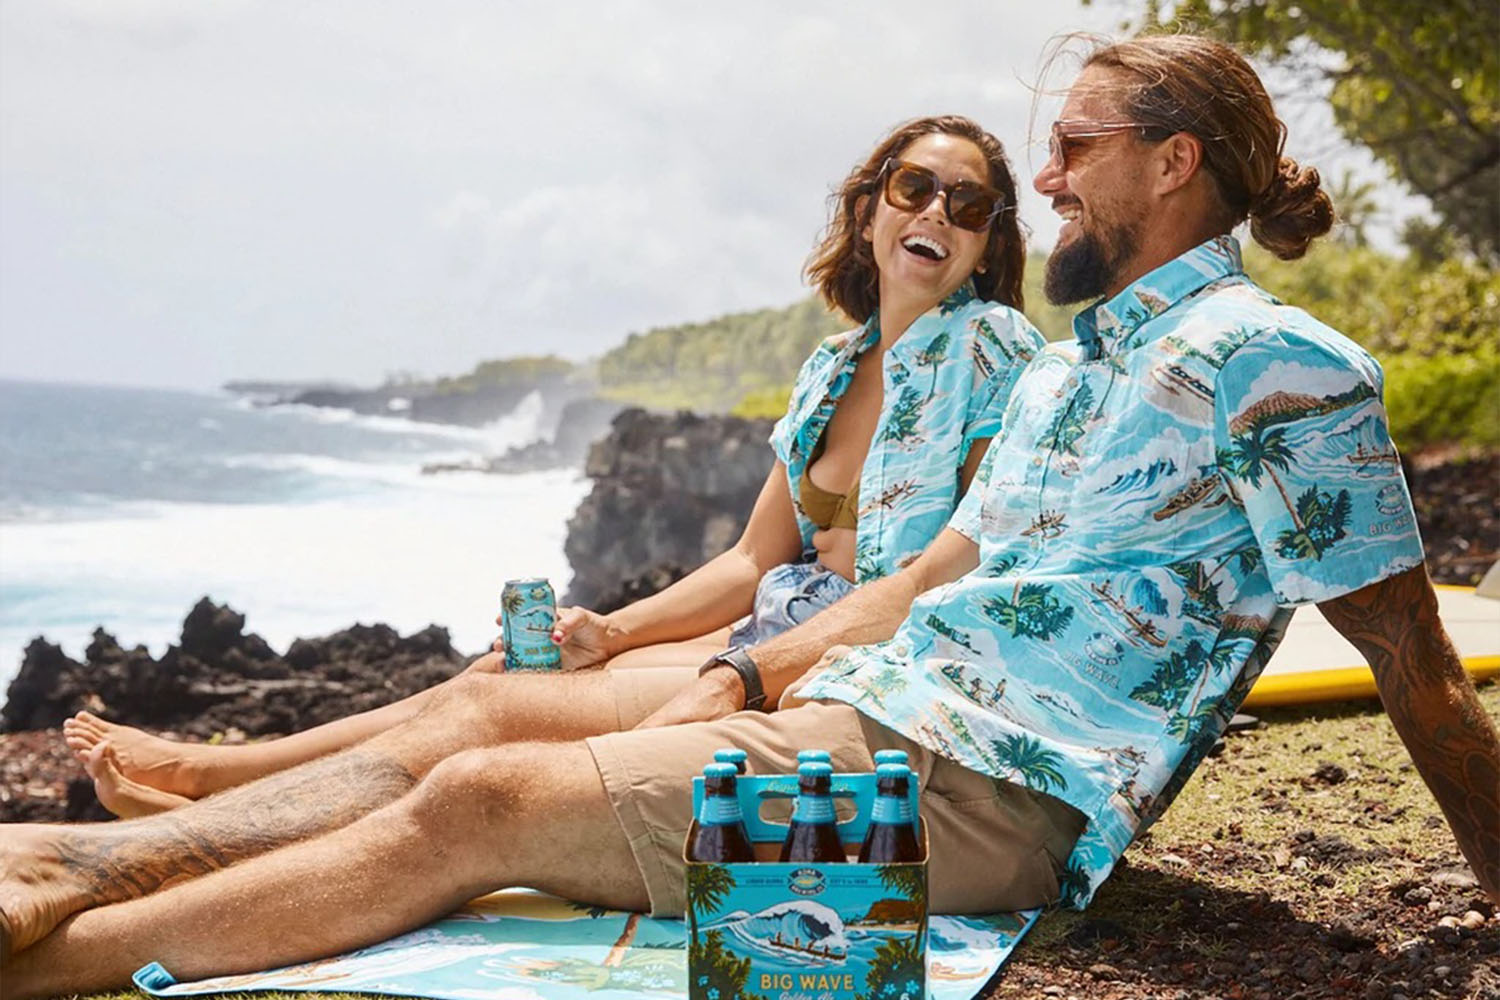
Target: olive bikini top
822,507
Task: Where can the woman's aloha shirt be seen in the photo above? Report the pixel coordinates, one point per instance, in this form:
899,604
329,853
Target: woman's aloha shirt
1161,494
946,381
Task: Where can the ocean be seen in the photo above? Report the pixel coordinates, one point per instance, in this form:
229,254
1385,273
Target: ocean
121,507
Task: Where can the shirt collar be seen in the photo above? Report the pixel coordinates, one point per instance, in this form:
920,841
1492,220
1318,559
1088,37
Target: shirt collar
922,329
1109,326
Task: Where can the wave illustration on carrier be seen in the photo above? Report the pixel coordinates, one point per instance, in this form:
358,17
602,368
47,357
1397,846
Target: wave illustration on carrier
800,931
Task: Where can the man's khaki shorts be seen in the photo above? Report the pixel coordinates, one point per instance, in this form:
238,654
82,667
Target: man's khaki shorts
994,845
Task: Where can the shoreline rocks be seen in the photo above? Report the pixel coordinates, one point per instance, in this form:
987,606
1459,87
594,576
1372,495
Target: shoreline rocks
671,491
220,677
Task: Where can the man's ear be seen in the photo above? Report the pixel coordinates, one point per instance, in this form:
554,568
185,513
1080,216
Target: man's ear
1178,159
859,213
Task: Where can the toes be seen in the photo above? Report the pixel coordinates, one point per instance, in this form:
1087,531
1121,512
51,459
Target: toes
98,760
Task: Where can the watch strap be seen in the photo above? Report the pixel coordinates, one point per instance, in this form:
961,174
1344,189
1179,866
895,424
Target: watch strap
737,658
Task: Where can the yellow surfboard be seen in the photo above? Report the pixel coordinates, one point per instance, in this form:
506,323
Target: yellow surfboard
1315,663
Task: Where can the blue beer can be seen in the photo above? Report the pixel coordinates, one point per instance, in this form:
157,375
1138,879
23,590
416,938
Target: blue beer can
528,615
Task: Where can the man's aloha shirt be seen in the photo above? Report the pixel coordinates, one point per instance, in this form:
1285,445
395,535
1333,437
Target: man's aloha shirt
946,380
1161,493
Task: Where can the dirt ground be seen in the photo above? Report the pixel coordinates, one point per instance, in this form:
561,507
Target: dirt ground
1306,861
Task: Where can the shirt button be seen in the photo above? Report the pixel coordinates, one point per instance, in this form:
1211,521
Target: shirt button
1037,461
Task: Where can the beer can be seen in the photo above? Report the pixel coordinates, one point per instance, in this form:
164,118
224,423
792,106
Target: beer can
528,615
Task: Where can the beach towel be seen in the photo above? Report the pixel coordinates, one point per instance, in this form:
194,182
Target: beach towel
523,945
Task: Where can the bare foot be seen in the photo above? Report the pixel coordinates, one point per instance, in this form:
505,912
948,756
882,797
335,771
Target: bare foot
145,760
125,798
36,893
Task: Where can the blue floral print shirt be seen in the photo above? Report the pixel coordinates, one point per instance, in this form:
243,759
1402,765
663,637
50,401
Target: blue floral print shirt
946,381
1163,490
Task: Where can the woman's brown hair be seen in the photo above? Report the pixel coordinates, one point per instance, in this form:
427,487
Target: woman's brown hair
842,266
1191,84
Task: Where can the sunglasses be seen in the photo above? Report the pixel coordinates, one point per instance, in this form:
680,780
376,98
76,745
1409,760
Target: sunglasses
1072,134
968,204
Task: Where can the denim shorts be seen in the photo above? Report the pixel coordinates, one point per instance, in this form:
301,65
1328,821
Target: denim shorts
787,596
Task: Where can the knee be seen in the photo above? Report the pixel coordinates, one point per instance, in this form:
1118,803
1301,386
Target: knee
489,663
468,694
475,786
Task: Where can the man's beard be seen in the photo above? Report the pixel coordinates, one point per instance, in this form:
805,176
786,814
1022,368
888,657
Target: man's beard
1089,266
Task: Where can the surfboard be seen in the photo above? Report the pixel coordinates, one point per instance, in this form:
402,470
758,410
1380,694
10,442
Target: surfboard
1314,663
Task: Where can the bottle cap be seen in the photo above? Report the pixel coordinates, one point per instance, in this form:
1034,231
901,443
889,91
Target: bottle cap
720,770
730,755
892,771
803,756
814,769
891,757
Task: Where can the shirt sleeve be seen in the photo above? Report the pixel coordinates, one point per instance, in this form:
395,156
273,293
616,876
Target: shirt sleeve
1303,443
1002,344
966,520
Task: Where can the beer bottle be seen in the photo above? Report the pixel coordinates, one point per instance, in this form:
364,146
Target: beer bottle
813,756
813,833
890,757
892,836
720,835
730,755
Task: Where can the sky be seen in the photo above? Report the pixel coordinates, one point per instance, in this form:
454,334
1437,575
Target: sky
193,191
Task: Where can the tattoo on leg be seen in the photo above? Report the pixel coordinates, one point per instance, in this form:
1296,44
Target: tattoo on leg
131,859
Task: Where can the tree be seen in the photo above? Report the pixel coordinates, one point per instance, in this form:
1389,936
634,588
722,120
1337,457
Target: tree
1418,84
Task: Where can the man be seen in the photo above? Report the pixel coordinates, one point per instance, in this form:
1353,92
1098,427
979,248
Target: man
1161,491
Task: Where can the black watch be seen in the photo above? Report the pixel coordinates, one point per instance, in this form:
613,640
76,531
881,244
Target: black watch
738,659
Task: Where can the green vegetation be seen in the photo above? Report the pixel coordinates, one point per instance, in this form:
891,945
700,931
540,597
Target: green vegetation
714,365
1417,84
507,371
1430,323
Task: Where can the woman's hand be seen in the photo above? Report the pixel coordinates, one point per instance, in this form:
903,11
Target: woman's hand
582,637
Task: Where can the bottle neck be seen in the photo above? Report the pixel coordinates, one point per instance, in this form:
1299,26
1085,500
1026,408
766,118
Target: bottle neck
720,809
814,808
891,808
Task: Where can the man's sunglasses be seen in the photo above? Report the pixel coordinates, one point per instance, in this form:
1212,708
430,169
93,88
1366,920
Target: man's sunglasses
1071,134
968,204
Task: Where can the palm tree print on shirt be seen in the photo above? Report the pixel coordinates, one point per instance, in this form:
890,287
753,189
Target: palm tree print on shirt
1068,426
931,356
1032,611
902,424
1261,450
1323,518
1038,767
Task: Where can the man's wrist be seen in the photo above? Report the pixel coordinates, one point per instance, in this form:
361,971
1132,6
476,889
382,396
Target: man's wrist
747,684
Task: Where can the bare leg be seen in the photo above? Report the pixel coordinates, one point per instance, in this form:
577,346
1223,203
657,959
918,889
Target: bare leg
193,770
486,819
691,653
48,872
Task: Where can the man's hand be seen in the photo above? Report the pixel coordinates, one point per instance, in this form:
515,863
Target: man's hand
718,693
581,635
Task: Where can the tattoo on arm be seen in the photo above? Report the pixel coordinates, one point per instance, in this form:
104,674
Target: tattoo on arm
125,860
1431,702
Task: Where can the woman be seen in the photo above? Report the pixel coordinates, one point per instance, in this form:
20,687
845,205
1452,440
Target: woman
885,427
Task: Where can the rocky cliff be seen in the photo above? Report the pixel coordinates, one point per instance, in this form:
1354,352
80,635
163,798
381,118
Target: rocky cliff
670,492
